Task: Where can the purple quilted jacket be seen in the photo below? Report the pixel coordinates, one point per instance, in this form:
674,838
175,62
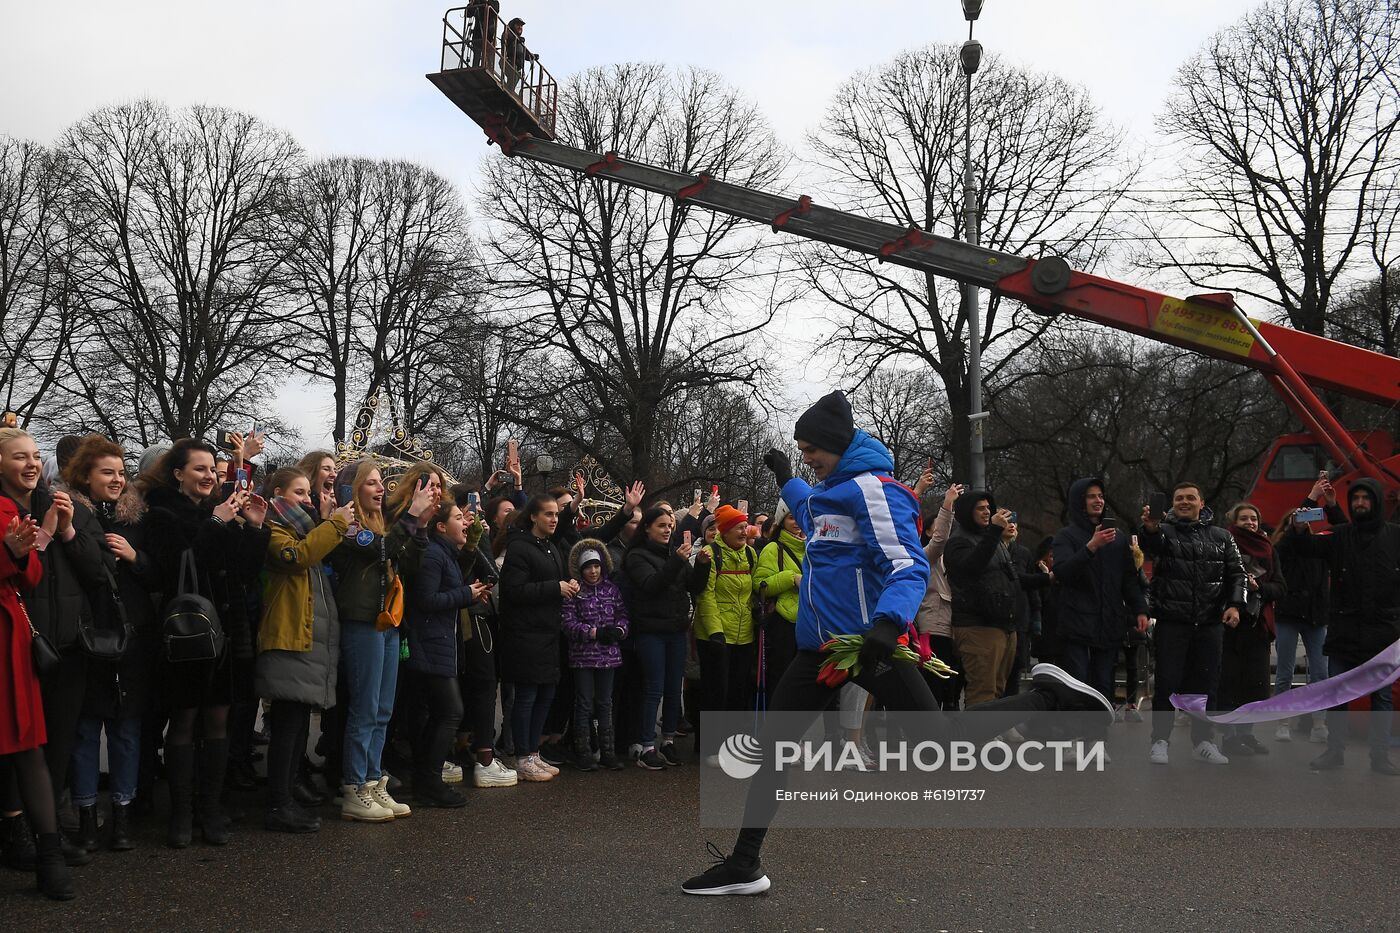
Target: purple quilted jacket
593,607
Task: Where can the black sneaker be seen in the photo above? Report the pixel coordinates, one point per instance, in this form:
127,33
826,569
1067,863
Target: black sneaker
553,753
1329,760
1383,765
728,875
651,760
669,754
1235,745
1071,694
437,794
1253,744
290,819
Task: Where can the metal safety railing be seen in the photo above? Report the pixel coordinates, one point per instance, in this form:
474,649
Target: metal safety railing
475,37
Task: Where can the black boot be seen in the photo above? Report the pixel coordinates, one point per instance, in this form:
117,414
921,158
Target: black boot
121,840
73,854
304,789
607,747
179,772
55,880
87,828
583,752
17,843
213,760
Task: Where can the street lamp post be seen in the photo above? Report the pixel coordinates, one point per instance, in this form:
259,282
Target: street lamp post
971,56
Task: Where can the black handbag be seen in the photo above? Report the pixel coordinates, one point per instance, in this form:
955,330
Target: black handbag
107,643
43,652
190,625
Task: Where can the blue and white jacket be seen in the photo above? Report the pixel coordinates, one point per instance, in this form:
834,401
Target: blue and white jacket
864,560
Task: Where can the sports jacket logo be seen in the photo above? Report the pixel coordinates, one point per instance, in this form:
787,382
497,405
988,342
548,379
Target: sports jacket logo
835,528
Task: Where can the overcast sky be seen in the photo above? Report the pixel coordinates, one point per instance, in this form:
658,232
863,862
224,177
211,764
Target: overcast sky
346,78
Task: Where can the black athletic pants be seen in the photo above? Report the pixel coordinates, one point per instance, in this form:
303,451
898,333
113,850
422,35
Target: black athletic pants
897,685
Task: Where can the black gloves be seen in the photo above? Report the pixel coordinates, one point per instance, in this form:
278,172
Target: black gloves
609,634
778,462
879,644
717,638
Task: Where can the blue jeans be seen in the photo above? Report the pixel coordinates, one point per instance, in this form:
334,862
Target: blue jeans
663,670
1378,720
123,759
593,698
370,659
527,718
1286,635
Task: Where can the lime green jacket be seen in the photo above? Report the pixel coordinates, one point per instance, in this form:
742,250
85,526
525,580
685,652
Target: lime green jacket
779,566
725,605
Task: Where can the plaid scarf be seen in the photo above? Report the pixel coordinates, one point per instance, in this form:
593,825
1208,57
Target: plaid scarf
291,516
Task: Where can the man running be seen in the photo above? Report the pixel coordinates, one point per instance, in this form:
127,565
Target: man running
864,573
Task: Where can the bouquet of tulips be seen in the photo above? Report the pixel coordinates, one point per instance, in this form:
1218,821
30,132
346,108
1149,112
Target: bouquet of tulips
843,659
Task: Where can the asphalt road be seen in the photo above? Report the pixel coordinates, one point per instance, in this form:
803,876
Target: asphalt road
608,851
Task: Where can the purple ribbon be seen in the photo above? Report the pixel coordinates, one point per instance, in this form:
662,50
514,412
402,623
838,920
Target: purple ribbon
1376,674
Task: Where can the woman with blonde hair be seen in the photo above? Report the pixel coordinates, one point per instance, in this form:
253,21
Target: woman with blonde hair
22,723
366,564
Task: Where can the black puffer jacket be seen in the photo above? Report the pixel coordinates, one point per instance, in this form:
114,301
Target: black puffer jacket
228,557
1364,561
986,584
531,607
1197,572
71,570
659,587
126,687
1098,590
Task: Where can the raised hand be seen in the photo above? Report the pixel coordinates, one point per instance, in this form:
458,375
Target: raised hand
254,509
924,484
1002,518
780,464
21,536
1101,537
63,511
950,497
424,499
634,495
1149,521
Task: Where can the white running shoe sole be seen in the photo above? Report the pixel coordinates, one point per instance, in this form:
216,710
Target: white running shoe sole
1056,673
757,886
494,781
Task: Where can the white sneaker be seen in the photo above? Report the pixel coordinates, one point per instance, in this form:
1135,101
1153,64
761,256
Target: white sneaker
1282,733
1207,752
451,773
634,751
379,790
1318,735
358,803
531,768
495,774
1158,755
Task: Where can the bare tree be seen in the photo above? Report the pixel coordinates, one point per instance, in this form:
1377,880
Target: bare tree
1050,175
904,408
627,299
37,311
176,214
1284,130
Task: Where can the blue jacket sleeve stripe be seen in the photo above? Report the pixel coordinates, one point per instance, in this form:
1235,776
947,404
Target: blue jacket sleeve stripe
877,508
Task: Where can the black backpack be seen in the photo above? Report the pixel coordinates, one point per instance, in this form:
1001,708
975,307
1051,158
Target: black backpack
190,624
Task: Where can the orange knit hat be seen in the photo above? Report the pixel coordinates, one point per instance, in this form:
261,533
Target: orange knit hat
726,517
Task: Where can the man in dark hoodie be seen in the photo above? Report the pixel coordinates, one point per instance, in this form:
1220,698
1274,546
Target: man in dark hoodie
986,588
1098,586
1364,614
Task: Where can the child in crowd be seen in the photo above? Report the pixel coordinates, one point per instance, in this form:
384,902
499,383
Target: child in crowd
595,622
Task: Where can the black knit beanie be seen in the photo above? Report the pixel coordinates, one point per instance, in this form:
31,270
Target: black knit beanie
828,424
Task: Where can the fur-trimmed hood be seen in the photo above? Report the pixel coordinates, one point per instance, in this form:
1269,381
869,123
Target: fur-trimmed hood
130,506
589,544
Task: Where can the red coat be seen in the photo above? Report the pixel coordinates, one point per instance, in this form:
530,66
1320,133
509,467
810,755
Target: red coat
21,709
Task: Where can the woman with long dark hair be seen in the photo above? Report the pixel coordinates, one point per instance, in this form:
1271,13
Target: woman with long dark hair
534,584
227,542
1244,654
660,585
